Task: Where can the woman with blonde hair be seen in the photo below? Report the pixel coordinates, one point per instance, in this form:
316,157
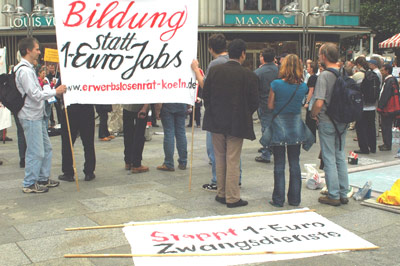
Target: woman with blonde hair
287,131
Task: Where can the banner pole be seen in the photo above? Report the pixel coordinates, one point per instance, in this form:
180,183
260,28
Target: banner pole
72,147
191,149
190,221
215,254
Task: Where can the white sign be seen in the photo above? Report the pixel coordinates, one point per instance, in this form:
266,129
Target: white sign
214,240
127,51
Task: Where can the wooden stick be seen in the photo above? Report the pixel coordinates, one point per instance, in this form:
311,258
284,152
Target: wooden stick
191,148
72,148
187,221
213,254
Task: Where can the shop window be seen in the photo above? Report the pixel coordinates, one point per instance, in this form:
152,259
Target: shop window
352,6
285,2
269,5
250,4
334,5
232,5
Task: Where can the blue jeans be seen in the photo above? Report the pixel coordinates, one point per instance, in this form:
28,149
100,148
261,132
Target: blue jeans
174,127
38,152
211,157
294,192
334,157
265,119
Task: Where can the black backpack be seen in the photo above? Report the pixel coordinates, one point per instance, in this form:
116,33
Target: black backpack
370,87
346,104
10,96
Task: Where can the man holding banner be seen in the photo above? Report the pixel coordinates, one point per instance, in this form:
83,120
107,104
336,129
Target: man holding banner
33,120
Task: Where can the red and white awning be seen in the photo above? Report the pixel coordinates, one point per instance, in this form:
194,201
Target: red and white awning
392,42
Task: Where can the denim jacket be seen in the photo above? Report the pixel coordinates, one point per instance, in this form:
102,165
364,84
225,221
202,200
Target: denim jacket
288,129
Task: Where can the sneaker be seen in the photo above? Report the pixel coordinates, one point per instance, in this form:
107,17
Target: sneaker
329,201
90,177
210,187
182,167
165,168
140,169
35,188
49,183
239,203
68,178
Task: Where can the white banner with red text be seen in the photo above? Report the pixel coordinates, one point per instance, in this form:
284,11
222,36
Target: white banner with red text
241,239
122,52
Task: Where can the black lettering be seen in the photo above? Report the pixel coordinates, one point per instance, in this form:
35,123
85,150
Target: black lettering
211,247
193,249
276,227
166,247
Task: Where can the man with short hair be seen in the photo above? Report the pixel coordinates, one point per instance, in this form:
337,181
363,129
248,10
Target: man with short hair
266,73
332,148
230,98
217,48
33,120
389,85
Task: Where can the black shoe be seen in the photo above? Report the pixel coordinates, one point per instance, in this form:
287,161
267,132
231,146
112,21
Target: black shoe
68,178
239,203
385,148
361,152
372,151
260,159
220,199
90,177
344,200
22,163
275,204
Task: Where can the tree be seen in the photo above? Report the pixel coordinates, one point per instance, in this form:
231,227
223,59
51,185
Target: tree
382,17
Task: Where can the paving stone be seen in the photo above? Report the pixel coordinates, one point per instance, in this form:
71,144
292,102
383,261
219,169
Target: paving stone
75,242
126,200
11,254
53,227
9,235
66,262
133,188
126,249
140,213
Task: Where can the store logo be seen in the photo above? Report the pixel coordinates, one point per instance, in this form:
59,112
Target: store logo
268,20
36,22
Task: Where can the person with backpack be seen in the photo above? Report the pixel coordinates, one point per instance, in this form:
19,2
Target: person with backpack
369,86
389,87
33,120
332,133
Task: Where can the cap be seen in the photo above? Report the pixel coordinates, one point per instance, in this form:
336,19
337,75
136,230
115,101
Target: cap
373,61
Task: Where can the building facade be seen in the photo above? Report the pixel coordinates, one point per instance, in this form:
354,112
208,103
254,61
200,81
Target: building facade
260,23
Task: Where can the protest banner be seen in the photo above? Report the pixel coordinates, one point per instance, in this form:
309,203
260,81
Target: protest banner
127,51
51,55
240,240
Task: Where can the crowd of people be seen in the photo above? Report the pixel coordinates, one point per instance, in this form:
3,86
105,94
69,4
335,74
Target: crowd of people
278,91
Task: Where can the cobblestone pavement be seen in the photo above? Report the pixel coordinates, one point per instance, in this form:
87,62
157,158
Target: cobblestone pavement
32,226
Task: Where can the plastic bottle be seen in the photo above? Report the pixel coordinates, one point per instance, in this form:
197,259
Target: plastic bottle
360,194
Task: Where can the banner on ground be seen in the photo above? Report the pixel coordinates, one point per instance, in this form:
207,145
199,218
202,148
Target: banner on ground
299,234
127,51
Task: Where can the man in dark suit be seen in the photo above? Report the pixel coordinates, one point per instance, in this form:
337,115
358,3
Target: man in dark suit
230,97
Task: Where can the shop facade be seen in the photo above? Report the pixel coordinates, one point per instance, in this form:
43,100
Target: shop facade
261,23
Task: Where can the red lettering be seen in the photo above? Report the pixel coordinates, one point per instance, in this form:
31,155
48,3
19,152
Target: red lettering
72,12
108,18
160,238
200,236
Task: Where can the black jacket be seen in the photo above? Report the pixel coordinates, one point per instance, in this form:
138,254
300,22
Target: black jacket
230,96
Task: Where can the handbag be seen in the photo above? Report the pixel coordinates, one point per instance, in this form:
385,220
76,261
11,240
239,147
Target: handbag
267,135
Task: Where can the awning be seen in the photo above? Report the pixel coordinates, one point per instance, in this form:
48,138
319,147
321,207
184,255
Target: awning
392,42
